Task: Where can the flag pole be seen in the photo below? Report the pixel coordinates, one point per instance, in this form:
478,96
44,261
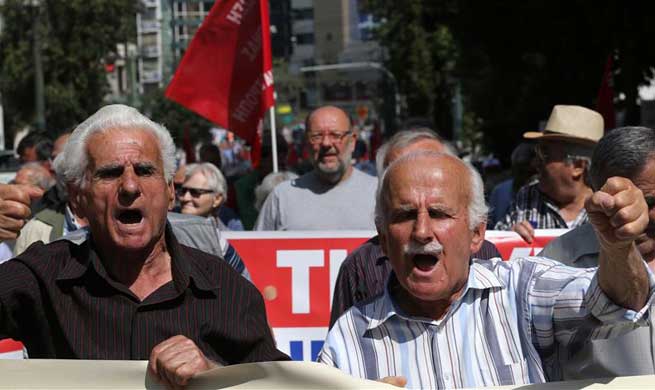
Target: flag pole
271,111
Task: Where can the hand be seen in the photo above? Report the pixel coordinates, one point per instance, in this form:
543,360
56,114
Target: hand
398,381
618,213
15,200
525,230
176,360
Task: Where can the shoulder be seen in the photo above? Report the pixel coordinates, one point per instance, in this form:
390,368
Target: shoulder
363,255
361,316
363,179
46,261
573,245
211,271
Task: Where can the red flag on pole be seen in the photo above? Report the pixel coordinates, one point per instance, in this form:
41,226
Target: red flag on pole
605,104
226,73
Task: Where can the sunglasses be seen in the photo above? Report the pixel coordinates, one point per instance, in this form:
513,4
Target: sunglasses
195,192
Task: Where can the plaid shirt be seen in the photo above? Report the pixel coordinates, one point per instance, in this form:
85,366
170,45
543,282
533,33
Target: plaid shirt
532,205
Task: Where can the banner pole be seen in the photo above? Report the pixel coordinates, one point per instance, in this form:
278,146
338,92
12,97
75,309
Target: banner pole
273,138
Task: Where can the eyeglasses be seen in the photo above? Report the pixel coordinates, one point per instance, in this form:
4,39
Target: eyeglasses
544,154
195,192
332,137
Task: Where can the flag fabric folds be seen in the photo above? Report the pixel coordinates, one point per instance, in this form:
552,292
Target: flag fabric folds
226,73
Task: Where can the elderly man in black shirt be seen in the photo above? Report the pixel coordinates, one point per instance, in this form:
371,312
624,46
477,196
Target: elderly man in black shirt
131,291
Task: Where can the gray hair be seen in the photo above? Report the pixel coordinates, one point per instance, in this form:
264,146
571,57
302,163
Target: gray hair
37,175
405,138
622,152
269,183
73,162
477,208
215,179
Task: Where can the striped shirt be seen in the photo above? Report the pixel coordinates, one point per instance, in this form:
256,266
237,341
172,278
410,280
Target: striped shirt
365,271
530,204
59,300
512,325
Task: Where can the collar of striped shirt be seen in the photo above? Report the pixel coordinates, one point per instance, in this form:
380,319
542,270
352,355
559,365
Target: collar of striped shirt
480,278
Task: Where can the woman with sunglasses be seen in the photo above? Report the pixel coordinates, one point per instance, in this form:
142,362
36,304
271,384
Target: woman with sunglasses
204,192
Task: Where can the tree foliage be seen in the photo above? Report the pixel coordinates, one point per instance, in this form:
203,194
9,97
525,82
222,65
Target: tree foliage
422,54
515,59
75,37
175,117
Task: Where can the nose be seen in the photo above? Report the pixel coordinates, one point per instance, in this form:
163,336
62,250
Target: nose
326,142
129,186
186,196
422,232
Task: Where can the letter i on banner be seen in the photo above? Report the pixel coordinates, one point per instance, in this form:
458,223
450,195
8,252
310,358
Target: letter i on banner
226,74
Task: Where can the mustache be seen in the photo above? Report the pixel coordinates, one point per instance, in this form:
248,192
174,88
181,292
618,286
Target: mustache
432,248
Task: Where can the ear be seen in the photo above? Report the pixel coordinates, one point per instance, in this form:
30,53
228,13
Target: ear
383,237
76,201
170,187
218,200
478,236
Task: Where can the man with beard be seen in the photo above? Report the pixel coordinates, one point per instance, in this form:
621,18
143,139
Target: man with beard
334,195
447,321
628,152
563,153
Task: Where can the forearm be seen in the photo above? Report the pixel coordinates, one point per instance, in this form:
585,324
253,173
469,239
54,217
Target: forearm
623,277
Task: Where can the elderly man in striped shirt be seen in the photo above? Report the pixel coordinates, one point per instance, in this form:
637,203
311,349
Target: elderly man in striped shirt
445,321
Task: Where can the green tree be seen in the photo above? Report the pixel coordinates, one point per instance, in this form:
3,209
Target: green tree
422,54
75,37
175,117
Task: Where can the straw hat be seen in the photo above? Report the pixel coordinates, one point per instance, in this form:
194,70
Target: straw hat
571,124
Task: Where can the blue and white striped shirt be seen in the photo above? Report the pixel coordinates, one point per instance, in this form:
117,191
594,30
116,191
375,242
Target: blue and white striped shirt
515,323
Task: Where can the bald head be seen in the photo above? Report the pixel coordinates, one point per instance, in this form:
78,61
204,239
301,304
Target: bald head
332,112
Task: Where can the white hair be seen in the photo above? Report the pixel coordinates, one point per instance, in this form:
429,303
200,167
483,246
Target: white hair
269,183
72,164
477,208
215,179
405,138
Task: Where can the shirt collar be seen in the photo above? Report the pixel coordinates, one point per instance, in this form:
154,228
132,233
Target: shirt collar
479,278
182,271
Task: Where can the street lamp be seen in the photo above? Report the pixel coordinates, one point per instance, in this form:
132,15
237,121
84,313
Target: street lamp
361,65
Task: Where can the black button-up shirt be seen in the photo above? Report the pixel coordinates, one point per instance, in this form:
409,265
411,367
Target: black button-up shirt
60,302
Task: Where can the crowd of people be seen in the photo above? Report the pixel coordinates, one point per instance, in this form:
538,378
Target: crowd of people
121,255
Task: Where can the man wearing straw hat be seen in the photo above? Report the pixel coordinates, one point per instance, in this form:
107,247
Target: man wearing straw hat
563,152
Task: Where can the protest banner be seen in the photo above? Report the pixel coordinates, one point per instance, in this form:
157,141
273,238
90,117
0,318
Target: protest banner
296,273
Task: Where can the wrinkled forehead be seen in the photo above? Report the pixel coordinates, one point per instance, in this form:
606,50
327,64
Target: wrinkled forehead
122,145
328,119
428,171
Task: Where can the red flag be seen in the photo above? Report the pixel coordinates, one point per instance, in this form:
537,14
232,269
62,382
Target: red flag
605,104
226,73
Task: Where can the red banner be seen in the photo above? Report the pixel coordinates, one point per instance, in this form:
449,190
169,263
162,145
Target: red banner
296,273
226,73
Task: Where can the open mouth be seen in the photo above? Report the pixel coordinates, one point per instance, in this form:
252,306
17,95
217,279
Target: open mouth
424,262
129,217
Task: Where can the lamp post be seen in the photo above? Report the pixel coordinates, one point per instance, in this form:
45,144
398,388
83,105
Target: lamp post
361,65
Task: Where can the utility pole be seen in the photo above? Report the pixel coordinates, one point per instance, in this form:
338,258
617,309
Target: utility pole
39,99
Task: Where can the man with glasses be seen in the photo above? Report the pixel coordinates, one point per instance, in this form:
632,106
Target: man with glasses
627,152
334,195
563,152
